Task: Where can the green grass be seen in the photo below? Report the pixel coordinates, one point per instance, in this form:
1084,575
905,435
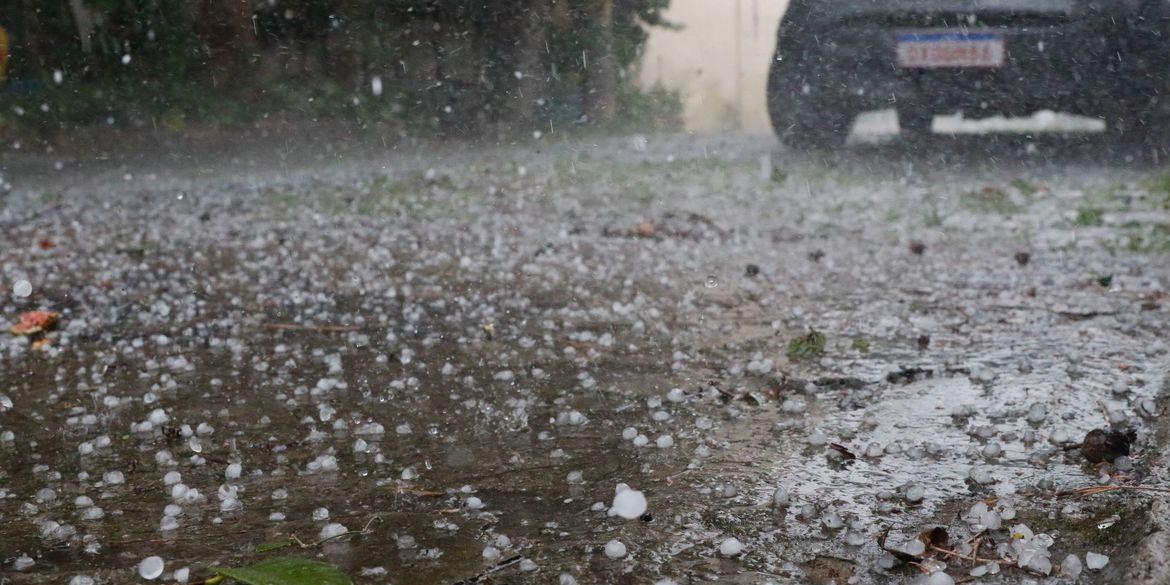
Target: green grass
809,346
1090,217
990,200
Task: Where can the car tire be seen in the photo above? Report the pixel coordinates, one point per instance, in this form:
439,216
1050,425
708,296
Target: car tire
801,116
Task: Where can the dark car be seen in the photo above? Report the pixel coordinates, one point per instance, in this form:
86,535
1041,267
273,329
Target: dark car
1108,59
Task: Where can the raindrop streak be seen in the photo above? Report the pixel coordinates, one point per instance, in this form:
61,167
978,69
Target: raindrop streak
22,288
711,281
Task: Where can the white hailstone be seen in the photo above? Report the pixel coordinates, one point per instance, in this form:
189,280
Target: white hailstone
168,523
233,471
23,562
730,547
230,504
992,450
172,510
574,477
491,553
113,478
914,547
832,520
1071,567
981,476
817,439
665,442
158,417
181,575
172,478
614,549
321,514
566,579
629,433
628,503
641,441
915,493
1095,561
780,498
150,568
474,503
22,288
332,530
1037,413
940,578
81,580
528,565
676,395
276,517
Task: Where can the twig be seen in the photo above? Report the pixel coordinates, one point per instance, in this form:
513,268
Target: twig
1093,490
955,553
365,530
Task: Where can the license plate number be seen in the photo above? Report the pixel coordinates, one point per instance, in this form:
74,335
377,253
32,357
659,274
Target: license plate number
932,50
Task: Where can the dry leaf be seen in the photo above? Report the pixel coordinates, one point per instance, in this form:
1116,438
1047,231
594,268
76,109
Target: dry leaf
34,322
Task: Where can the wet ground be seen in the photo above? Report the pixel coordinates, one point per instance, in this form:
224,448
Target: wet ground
437,364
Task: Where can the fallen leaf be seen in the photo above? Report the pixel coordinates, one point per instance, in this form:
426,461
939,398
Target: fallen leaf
287,571
936,537
843,450
34,322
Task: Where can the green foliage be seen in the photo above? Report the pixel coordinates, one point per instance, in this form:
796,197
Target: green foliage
274,545
446,66
807,347
990,200
1089,217
286,571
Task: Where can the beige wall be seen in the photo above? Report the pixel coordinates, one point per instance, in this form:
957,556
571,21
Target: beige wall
700,60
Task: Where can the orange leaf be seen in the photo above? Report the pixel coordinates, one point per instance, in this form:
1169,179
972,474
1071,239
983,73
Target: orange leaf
33,322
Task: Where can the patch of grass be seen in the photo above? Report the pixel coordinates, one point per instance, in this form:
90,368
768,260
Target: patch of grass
990,200
1090,217
860,344
1155,239
1159,187
1025,187
807,347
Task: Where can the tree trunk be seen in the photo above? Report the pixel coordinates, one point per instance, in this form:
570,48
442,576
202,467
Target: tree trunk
533,83
227,29
601,68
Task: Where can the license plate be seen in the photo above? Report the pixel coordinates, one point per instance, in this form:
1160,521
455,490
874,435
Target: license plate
933,50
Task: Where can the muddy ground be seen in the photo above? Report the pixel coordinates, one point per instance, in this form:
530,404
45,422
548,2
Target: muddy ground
435,364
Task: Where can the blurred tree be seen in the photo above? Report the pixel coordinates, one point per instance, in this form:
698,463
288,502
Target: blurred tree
454,66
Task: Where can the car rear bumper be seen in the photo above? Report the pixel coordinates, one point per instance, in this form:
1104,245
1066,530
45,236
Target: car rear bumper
1067,66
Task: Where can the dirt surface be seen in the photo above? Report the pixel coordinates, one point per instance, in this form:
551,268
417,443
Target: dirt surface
437,364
